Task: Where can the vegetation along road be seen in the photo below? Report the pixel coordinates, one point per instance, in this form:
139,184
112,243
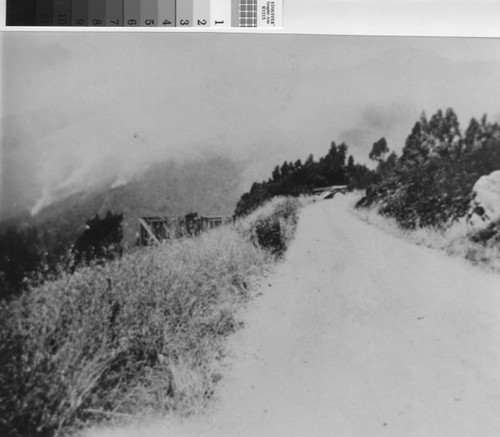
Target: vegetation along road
362,334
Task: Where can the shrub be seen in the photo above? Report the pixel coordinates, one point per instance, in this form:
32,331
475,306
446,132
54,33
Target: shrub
273,225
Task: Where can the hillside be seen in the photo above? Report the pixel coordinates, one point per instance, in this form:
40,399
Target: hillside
142,334
39,245
209,186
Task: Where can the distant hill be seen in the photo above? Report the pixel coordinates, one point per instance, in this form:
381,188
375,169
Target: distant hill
209,186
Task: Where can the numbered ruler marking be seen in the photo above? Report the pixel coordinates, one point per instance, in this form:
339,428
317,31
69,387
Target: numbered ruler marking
145,13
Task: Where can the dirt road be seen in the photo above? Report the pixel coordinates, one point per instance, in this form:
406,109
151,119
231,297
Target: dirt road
361,334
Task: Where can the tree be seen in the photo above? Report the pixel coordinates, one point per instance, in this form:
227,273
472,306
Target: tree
444,133
379,149
387,167
350,163
20,259
100,240
473,135
309,160
276,175
332,152
285,169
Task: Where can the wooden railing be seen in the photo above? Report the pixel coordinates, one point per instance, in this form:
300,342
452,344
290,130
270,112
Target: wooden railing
157,230
332,189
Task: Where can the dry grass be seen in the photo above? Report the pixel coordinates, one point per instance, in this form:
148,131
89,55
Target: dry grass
136,337
454,240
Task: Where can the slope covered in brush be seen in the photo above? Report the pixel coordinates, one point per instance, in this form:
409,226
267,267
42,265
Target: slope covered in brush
431,183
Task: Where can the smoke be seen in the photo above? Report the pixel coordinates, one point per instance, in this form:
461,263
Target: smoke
391,121
99,108
44,200
386,118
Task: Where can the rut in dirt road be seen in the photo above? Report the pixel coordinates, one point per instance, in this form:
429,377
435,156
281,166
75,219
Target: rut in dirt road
361,334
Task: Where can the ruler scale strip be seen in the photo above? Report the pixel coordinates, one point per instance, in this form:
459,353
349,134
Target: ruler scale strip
114,13
131,13
184,13
45,13
79,12
149,13
201,13
97,13
220,13
146,13
22,13
62,13
166,13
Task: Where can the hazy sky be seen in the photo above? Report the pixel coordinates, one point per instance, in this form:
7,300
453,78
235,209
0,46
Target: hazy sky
77,107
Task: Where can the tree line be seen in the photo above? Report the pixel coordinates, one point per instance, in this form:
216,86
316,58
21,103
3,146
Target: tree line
430,183
295,178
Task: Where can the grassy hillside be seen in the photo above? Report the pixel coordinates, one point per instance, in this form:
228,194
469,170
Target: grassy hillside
141,335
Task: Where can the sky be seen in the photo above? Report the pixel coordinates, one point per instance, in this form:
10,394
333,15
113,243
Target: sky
81,107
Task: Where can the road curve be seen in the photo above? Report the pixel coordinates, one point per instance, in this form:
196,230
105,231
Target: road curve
359,333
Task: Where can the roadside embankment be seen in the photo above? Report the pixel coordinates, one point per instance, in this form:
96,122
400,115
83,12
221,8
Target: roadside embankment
136,337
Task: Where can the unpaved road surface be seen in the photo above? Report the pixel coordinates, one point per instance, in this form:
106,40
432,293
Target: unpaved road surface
362,334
